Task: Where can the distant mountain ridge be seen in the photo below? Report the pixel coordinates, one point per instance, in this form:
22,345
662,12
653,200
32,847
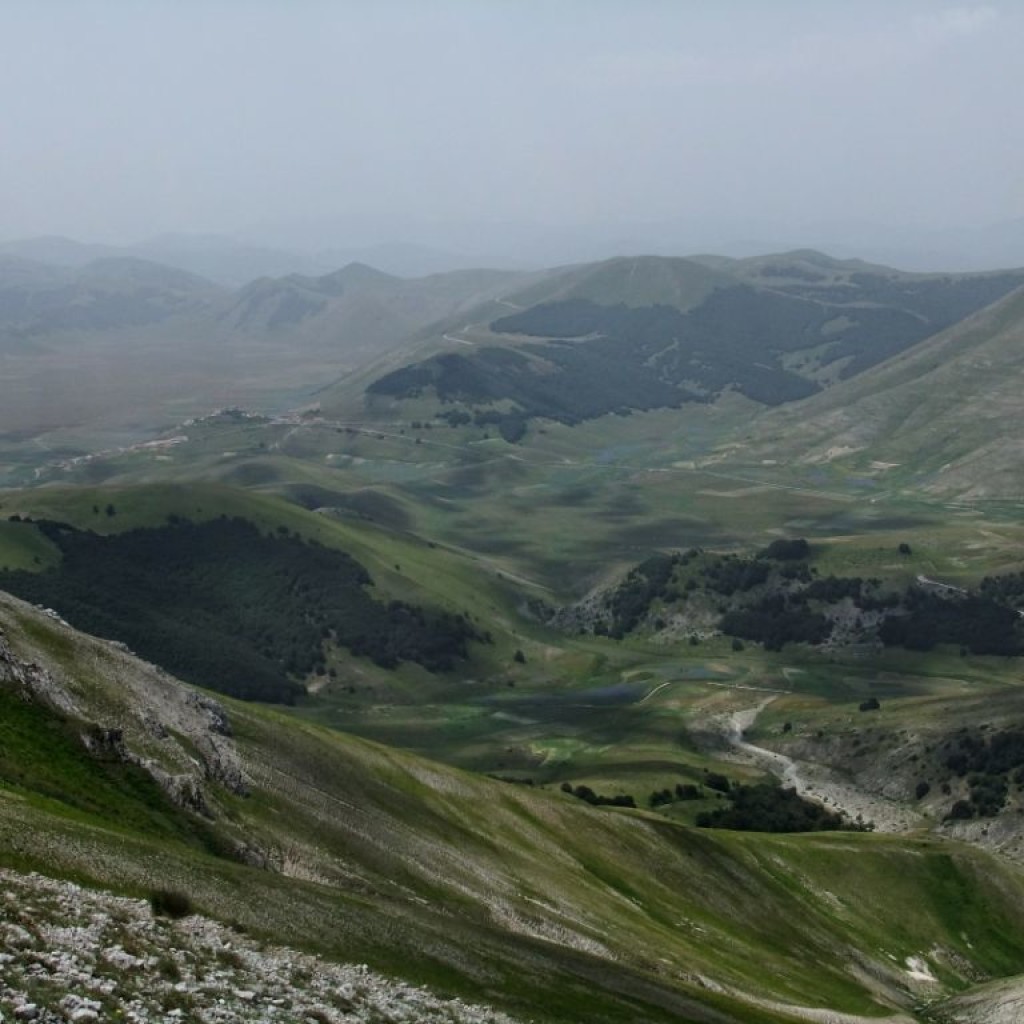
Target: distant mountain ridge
120,339
648,332
231,262
569,344
105,293
36,296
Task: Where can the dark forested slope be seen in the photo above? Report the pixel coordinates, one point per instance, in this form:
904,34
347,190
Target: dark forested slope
227,607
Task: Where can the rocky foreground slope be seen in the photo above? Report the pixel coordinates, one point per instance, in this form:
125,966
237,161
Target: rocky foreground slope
78,955
522,899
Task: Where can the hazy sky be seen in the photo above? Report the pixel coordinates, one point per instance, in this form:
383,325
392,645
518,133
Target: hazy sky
124,118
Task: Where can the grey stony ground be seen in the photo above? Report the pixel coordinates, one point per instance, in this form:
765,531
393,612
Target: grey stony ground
76,955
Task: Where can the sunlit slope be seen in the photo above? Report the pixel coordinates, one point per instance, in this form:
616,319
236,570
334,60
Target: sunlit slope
632,280
526,898
946,417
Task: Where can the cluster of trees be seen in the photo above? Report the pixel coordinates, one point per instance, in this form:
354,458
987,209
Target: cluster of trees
631,358
717,781
786,549
988,794
990,763
766,807
511,425
224,606
777,620
774,619
454,417
915,619
729,340
578,382
656,580
683,791
987,797
866,594
995,754
632,599
586,794
1007,589
832,589
730,574
977,623
776,598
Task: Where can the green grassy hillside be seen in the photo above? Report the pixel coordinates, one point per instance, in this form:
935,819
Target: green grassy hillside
520,897
131,564
942,419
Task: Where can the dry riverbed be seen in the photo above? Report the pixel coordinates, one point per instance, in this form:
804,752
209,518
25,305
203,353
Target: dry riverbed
814,781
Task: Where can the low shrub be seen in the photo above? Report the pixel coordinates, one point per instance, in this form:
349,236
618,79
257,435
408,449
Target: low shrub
169,903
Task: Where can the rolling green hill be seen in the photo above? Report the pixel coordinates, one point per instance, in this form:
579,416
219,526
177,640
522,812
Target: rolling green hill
635,281
256,595
530,900
238,611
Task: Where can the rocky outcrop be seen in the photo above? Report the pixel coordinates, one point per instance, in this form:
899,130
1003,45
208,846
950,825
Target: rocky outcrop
213,710
32,681
181,737
70,954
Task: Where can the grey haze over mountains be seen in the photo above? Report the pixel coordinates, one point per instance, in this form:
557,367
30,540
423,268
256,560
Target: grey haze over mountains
130,346
319,249
122,347
231,261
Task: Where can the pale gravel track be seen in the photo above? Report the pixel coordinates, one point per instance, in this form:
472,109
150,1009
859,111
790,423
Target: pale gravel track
814,781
